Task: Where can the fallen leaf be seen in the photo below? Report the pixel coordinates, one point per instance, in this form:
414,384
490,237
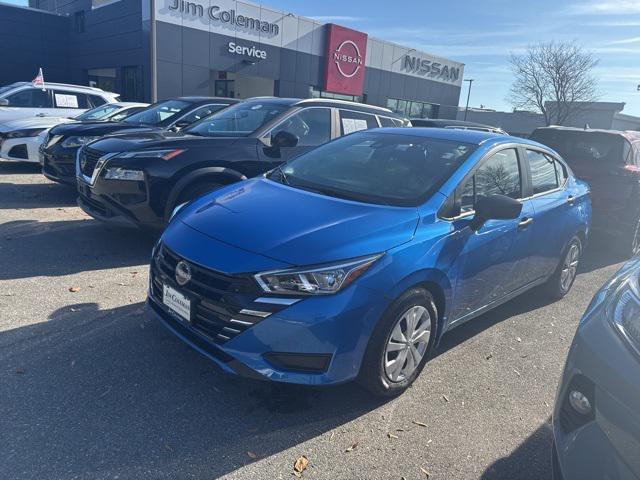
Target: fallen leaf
446,399
518,339
423,424
252,455
425,471
351,448
391,435
489,356
301,464
74,289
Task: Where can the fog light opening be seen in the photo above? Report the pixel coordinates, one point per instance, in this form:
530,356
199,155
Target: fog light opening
580,402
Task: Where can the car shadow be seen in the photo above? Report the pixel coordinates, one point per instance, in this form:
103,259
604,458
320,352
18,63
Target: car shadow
602,251
19,168
95,393
530,461
35,195
31,248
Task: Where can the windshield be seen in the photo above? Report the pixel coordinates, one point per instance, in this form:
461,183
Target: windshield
585,147
98,113
391,169
239,120
159,114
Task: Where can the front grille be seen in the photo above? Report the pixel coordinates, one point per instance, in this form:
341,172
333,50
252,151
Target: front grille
96,206
217,299
88,160
19,151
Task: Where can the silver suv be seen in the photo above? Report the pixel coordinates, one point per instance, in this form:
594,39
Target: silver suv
22,99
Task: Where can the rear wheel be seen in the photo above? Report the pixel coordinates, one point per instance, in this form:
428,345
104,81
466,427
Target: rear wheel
400,345
562,280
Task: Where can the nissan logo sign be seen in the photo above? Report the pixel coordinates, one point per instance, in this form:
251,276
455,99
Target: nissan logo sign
183,273
347,58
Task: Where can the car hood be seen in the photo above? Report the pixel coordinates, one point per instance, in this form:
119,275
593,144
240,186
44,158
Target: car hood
32,122
127,141
98,129
296,226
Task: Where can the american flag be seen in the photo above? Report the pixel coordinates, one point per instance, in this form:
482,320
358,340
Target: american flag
39,80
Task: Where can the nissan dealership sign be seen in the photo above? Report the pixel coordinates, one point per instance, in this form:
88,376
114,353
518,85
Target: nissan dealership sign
344,62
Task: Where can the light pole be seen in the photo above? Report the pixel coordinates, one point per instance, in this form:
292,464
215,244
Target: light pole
466,109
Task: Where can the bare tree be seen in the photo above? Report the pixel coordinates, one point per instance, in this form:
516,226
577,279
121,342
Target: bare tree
554,79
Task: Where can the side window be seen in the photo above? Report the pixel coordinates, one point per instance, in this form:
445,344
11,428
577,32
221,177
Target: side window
353,121
387,122
543,172
30,98
200,113
96,100
312,126
67,99
561,172
499,174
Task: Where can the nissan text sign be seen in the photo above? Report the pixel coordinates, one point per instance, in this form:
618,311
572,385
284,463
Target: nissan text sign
346,52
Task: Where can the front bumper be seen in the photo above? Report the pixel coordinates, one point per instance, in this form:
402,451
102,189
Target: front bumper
606,446
335,327
22,149
119,202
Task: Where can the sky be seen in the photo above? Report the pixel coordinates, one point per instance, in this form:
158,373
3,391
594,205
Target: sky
483,33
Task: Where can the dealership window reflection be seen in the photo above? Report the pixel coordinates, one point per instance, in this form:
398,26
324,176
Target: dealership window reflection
413,109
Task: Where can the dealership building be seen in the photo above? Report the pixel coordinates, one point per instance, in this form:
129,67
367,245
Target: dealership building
155,49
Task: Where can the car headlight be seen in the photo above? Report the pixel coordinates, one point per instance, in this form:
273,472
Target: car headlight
625,311
71,142
322,280
162,154
27,132
118,173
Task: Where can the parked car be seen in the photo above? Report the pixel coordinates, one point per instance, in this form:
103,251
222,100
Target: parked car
596,420
137,180
458,124
62,145
352,260
609,161
22,99
20,140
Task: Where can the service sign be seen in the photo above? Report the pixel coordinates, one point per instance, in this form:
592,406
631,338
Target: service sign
345,57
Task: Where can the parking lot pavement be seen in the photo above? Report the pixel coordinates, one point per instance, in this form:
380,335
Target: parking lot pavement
89,389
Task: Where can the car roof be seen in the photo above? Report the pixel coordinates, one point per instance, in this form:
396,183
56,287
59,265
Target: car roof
64,85
457,135
202,99
630,135
129,104
327,102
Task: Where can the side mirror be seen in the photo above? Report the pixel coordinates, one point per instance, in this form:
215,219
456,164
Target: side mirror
284,139
495,207
4,102
180,125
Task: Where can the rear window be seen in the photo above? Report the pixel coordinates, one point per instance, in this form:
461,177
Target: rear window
585,147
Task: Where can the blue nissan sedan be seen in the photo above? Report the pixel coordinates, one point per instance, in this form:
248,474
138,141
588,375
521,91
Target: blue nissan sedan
352,260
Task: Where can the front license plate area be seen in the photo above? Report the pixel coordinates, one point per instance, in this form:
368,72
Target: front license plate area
178,303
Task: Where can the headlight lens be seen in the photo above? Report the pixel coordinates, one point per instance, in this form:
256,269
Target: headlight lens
162,154
118,173
323,280
28,132
625,312
71,142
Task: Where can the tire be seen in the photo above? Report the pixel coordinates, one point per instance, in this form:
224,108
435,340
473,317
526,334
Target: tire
562,279
194,191
379,374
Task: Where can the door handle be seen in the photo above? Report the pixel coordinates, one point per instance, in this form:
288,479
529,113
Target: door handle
571,199
524,223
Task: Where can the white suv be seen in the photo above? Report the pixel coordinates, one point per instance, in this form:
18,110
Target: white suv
22,99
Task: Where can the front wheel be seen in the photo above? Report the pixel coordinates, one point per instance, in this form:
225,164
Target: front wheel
562,280
400,345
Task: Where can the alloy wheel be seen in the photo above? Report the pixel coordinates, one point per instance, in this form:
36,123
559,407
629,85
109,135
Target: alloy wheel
569,267
407,343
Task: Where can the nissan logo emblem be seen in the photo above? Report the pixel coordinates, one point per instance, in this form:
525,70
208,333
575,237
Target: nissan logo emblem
183,273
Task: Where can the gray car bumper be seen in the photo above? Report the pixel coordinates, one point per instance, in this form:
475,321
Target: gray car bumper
606,445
